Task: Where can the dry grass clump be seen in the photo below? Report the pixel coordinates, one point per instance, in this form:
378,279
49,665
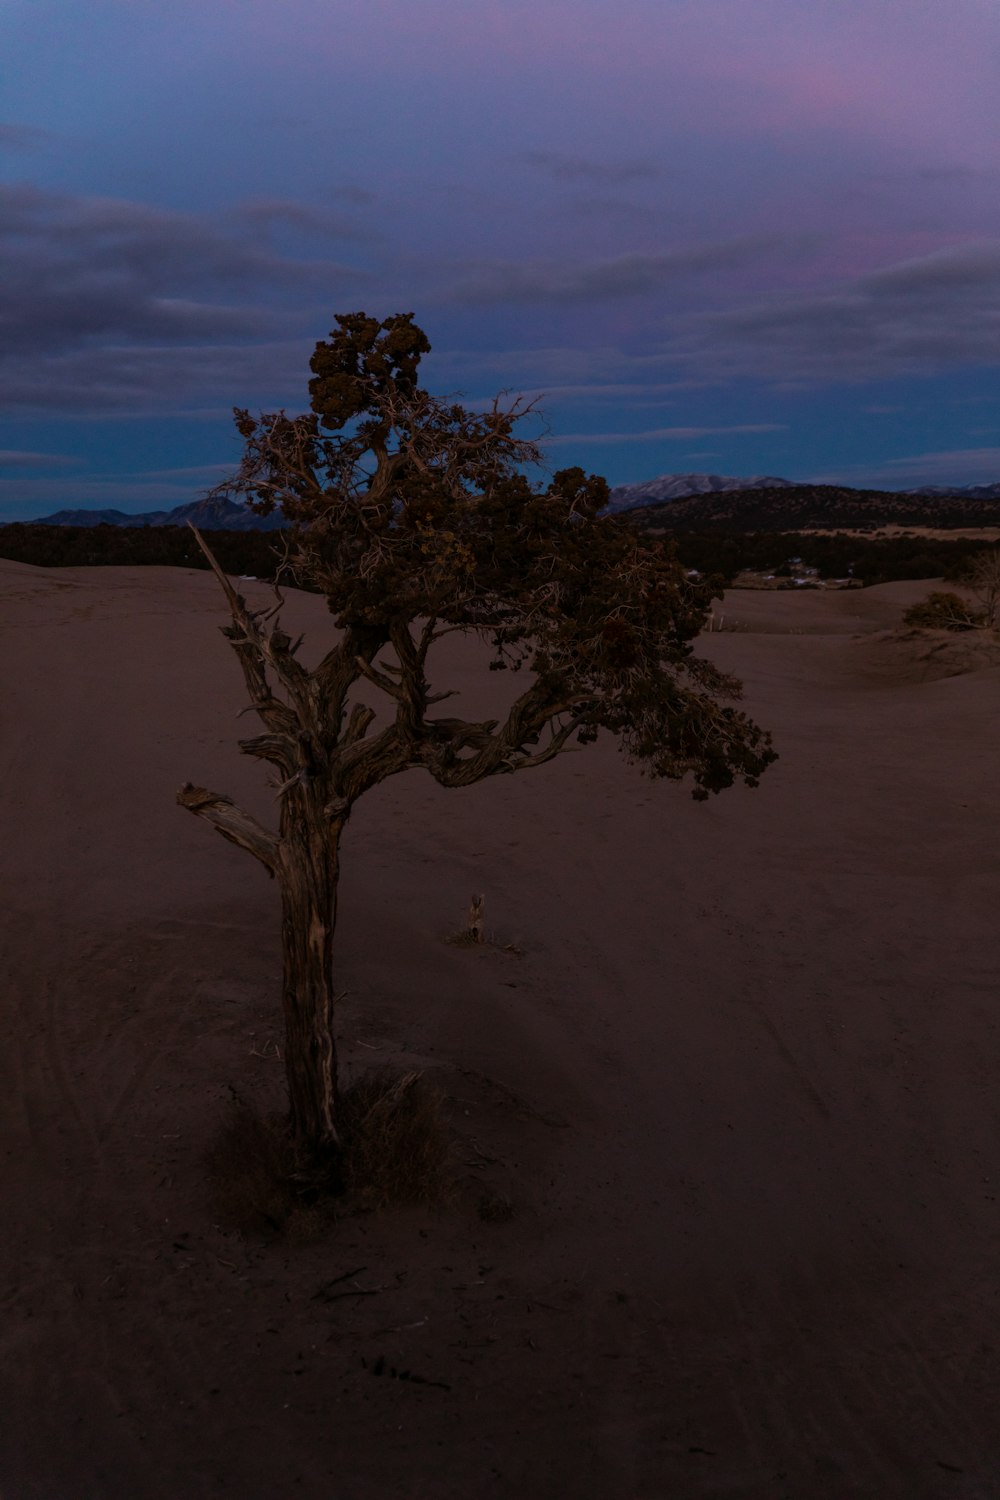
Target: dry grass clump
251,1167
495,1208
467,939
464,939
396,1147
395,1153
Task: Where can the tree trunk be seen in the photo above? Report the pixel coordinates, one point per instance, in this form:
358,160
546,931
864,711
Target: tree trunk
308,872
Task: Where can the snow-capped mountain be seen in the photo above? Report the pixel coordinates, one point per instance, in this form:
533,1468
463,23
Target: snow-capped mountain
679,486
968,491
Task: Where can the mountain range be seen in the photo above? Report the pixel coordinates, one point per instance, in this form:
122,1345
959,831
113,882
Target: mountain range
692,499
684,486
214,514
680,486
968,491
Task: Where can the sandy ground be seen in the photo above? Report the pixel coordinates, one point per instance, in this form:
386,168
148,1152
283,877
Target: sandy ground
742,1086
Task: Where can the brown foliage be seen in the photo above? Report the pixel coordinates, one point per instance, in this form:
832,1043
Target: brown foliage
395,1154
943,610
415,519
396,1148
252,1166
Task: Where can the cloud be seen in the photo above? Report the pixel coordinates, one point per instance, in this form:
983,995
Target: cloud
606,210
14,458
969,268
550,372
982,463
952,466
583,169
268,213
948,172
627,275
23,137
636,396
95,293
920,317
661,434
129,379
208,472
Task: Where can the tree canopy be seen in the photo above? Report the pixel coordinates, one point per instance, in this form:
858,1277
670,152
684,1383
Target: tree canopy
414,516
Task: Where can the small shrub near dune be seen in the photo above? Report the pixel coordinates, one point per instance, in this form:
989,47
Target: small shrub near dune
396,1145
943,611
251,1168
495,1208
395,1153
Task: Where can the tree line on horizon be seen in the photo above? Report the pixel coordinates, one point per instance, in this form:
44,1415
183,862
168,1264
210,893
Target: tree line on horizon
719,553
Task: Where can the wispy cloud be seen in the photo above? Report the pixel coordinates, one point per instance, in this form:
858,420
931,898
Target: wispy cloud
946,466
617,276
15,458
286,213
920,317
108,302
143,378
207,472
983,463
660,434
582,169
23,137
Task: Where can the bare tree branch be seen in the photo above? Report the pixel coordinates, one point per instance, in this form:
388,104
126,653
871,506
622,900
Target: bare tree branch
232,822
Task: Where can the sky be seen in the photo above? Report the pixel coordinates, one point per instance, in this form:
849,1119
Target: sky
716,236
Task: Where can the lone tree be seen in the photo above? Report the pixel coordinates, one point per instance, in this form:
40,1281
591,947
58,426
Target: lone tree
412,516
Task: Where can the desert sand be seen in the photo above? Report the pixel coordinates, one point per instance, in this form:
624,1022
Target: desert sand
740,1085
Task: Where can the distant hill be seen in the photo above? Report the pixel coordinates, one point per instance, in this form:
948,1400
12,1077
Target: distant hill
216,514
970,491
798,507
679,486
688,502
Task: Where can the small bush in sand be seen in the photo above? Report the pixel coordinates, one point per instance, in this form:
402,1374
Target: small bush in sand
251,1167
943,611
495,1208
395,1153
396,1149
465,939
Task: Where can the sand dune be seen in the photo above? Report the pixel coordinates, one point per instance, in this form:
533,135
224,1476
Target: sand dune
741,1085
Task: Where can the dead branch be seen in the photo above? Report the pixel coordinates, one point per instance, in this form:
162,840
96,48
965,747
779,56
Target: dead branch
379,679
232,822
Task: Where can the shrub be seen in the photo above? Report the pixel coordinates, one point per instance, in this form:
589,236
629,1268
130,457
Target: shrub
251,1168
396,1148
395,1154
943,611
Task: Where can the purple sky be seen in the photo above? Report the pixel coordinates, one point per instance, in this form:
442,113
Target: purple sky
713,235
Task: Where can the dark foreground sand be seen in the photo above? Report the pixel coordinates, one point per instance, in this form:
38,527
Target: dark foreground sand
742,1086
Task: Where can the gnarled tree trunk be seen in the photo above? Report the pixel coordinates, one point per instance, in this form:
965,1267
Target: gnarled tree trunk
308,869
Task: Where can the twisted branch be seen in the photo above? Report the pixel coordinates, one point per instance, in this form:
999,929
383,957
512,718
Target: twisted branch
232,822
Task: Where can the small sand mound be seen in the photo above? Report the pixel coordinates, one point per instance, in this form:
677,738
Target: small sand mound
910,655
